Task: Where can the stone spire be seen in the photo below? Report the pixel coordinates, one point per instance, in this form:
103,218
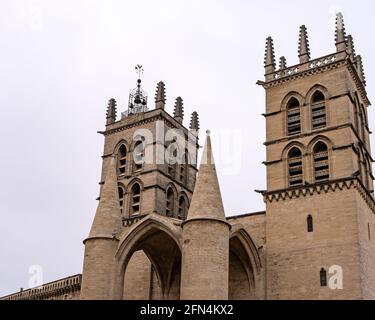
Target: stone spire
340,34
111,111
269,57
282,64
303,45
108,214
207,202
179,110
160,96
194,122
361,70
351,48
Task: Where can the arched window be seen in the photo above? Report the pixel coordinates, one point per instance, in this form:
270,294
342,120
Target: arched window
170,203
310,224
138,155
122,153
294,116
121,196
295,167
318,111
135,199
321,163
184,167
182,208
172,159
323,277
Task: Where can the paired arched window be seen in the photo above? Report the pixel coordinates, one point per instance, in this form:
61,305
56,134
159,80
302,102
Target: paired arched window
135,199
323,277
294,116
318,111
295,167
182,208
122,155
321,162
170,202
138,155
310,224
121,196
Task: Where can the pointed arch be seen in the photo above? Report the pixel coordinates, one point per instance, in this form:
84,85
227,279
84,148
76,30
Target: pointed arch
295,167
244,266
134,192
183,206
121,151
291,94
293,114
318,110
166,259
321,162
170,200
313,89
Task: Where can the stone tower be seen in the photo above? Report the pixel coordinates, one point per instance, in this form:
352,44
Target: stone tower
320,219
205,251
149,169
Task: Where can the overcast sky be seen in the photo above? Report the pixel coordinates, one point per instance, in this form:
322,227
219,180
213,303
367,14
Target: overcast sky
60,61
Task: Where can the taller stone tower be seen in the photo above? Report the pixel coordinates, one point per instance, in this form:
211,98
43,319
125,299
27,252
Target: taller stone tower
149,168
320,221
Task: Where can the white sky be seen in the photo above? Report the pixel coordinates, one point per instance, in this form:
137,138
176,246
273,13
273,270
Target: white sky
60,61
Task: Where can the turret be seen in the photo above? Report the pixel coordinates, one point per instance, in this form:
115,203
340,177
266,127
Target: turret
205,258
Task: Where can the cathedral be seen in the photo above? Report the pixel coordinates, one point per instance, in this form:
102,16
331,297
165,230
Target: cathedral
160,231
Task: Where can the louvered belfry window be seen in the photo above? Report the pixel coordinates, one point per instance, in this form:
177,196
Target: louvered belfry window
318,111
295,167
321,162
294,117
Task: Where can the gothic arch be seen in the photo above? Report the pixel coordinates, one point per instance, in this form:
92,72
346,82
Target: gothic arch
129,190
171,188
317,87
119,144
290,95
320,138
244,266
290,146
187,204
148,235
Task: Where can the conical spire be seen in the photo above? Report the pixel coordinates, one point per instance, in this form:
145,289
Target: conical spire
160,96
111,111
351,48
269,57
194,122
108,214
282,64
303,45
340,35
179,110
361,70
207,202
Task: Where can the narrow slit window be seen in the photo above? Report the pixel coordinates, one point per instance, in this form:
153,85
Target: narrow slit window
318,111
294,117
310,224
295,167
323,277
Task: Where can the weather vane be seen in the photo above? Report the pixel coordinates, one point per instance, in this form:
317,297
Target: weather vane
139,69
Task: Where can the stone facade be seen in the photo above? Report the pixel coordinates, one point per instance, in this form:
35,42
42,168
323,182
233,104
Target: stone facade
160,230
